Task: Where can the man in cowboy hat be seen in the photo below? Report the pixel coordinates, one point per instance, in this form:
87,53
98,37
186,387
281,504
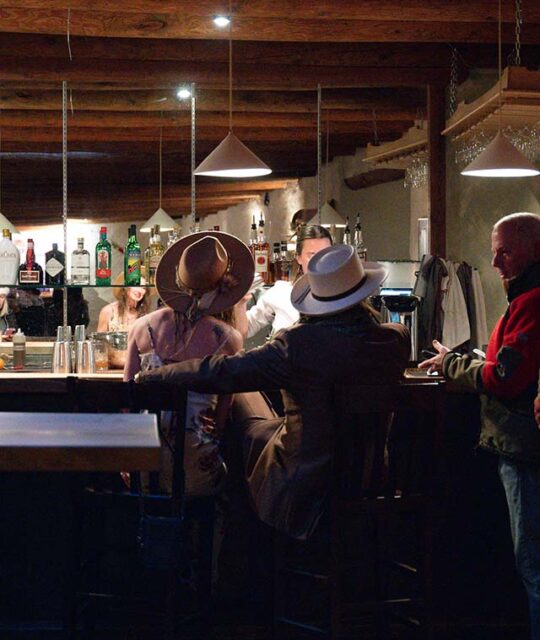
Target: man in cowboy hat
338,338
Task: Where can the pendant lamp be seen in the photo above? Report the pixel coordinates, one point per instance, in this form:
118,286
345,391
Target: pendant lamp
4,222
161,217
500,159
231,158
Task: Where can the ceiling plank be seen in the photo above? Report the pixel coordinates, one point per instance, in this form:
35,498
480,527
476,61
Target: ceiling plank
382,99
103,120
457,10
296,28
212,76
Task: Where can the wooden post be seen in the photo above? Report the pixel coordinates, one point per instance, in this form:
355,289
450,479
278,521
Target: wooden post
437,170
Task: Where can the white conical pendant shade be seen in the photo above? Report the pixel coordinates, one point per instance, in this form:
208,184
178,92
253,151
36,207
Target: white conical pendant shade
6,224
232,159
166,223
330,217
500,159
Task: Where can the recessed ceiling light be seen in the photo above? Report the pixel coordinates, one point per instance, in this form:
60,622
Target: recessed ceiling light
183,93
221,21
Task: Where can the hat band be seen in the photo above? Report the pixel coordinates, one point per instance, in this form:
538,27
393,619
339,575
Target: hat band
339,296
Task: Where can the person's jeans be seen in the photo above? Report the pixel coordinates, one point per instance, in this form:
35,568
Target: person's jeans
521,483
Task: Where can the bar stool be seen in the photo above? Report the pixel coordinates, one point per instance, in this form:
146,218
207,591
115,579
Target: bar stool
161,545
368,565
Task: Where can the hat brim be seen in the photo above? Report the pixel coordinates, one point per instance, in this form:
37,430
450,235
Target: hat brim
242,269
303,301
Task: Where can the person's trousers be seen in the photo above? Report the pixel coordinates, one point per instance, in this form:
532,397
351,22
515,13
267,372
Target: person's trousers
521,483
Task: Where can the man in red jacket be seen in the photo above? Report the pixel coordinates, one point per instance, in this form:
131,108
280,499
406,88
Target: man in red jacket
507,383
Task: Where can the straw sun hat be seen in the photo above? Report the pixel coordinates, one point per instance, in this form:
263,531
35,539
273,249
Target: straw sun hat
335,281
204,273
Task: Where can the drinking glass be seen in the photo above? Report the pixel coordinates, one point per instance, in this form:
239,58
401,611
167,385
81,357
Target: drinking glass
101,357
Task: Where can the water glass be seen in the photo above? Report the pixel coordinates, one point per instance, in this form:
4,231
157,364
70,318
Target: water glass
61,362
85,357
101,356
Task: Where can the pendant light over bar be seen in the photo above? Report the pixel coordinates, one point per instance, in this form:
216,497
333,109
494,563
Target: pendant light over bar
4,222
231,158
500,159
161,217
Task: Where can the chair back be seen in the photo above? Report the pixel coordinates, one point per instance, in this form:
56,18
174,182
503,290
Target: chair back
387,438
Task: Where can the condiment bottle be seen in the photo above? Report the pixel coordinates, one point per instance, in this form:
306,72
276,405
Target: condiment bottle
19,350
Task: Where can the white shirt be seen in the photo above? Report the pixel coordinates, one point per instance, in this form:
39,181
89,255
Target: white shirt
273,307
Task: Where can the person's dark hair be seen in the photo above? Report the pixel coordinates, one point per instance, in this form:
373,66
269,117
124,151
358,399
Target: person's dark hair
142,307
303,233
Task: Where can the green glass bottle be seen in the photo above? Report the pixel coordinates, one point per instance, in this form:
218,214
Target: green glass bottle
103,259
132,259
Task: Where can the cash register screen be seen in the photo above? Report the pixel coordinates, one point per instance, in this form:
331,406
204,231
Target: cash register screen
387,291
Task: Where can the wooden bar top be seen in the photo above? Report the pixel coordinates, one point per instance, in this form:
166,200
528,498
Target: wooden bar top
78,442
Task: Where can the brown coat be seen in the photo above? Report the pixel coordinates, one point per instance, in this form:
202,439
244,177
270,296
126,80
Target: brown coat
290,479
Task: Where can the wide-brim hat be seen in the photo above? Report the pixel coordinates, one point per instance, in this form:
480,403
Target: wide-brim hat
335,281
119,283
239,272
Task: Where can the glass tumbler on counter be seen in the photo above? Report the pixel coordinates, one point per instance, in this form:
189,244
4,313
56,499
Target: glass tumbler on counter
101,357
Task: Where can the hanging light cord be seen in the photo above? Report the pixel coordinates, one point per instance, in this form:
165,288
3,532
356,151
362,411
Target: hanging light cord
67,34
0,164
160,161
500,66
230,66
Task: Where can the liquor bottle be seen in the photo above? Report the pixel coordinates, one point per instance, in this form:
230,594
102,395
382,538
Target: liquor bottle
30,272
262,254
174,235
10,259
80,264
132,259
347,232
361,249
153,256
103,259
55,265
275,265
285,262
253,236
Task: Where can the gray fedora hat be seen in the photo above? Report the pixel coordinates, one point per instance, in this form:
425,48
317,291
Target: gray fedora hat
335,281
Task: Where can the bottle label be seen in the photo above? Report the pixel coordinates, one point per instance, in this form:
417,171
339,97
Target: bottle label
54,267
29,277
133,265
103,267
261,260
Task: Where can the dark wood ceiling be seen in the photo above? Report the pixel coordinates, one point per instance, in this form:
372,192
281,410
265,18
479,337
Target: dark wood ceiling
373,58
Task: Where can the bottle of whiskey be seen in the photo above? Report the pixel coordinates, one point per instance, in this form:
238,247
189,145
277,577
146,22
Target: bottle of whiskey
132,259
285,262
103,259
55,264
80,264
275,265
347,232
10,259
153,256
361,249
262,254
253,236
30,272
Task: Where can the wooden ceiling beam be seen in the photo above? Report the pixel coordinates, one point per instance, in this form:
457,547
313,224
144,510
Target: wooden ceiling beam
183,134
383,100
104,120
16,45
323,10
292,26
215,75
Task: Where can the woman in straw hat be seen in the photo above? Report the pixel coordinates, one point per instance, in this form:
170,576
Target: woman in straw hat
199,277
131,303
338,339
